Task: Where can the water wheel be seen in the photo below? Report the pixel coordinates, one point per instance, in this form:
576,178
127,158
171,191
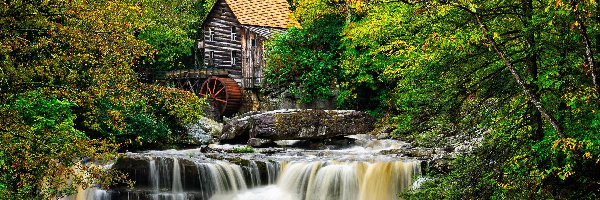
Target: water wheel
223,93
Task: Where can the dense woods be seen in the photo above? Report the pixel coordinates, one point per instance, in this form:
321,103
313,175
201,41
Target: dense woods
521,74
524,73
68,88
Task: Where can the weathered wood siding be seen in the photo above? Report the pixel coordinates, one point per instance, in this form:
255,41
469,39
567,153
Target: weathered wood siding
219,23
252,59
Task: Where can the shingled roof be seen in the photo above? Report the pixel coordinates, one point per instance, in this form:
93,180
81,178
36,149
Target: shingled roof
265,13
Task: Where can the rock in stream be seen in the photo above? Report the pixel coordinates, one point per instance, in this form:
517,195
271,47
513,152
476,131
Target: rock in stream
296,125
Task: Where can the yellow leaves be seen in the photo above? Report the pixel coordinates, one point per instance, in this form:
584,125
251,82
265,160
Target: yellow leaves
504,185
566,172
115,115
538,173
496,36
565,144
574,25
573,149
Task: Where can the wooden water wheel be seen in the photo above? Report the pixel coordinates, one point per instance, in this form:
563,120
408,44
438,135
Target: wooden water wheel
223,93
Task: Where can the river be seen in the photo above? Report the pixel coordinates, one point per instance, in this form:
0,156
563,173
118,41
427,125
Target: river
354,172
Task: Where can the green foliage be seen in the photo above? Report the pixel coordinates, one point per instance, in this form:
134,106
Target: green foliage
429,67
522,157
245,149
140,115
68,92
41,149
171,28
85,52
305,59
55,43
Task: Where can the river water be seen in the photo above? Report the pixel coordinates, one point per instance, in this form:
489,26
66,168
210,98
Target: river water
355,172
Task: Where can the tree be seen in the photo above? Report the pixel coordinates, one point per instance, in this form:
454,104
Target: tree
172,29
306,58
41,151
68,93
523,72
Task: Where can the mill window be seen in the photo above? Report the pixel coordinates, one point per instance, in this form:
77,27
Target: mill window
253,43
233,57
233,33
211,58
211,35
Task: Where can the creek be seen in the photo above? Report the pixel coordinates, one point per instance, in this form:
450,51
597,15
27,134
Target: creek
358,171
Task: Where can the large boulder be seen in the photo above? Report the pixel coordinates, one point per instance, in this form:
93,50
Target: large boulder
296,125
203,131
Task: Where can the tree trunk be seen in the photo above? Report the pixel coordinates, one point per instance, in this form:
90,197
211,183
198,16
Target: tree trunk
525,88
531,62
589,54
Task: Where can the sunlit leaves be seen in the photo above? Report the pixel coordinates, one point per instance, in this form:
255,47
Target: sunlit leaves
171,28
305,60
42,149
68,90
430,67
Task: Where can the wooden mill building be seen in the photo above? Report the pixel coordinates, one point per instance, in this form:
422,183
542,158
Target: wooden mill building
234,34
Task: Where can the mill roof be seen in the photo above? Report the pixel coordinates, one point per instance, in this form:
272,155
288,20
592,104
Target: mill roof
264,13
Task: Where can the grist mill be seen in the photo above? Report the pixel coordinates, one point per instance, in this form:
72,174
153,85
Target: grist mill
234,34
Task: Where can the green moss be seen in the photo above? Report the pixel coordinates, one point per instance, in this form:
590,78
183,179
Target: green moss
246,149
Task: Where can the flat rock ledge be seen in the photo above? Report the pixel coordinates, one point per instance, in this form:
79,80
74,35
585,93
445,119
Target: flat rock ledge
296,124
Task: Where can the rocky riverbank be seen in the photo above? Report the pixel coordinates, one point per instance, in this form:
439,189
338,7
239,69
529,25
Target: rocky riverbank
325,129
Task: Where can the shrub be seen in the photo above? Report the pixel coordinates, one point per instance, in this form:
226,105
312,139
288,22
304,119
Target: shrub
41,149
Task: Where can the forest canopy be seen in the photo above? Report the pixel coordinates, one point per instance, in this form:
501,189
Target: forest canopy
523,74
69,91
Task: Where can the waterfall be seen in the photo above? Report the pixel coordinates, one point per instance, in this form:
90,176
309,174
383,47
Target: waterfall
89,194
254,174
347,180
228,177
331,180
175,178
177,189
272,172
162,177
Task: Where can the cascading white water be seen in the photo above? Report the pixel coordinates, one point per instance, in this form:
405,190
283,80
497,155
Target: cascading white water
254,174
315,180
357,173
154,180
165,176
335,181
272,172
89,194
177,188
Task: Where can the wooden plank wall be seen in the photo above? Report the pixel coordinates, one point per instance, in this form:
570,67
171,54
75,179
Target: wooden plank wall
252,59
220,20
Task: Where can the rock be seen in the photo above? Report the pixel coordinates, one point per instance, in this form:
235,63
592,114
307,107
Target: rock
270,150
441,165
383,132
203,131
297,125
147,170
422,153
259,142
321,144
